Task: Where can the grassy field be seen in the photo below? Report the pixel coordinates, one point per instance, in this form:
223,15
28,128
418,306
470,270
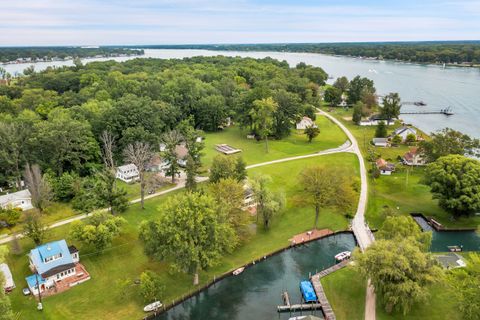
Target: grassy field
346,291
397,191
331,136
101,297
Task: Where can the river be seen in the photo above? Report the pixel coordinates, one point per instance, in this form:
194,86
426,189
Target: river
437,86
255,293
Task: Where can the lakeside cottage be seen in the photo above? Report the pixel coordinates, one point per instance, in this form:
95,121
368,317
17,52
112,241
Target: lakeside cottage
304,123
413,158
403,132
128,173
380,142
20,199
385,167
56,268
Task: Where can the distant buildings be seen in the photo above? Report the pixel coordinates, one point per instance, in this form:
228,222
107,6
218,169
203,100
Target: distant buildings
128,173
20,199
375,120
413,158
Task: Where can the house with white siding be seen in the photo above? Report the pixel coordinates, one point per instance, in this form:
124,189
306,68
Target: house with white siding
20,199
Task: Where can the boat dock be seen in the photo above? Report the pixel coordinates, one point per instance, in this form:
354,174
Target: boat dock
446,111
322,297
299,307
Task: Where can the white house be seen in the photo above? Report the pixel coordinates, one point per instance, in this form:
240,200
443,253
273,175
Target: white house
385,167
53,263
413,158
375,120
403,132
304,123
20,199
380,142
128,173
9,284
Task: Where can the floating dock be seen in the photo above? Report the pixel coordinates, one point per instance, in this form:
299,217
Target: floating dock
299,307
446,111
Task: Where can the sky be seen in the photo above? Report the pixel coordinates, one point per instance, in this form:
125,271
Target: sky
115,22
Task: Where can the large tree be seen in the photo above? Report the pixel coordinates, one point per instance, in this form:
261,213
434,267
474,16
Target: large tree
312,132
38,186
172,139
391,106
449,141
189,232
140,154
262,118
224,167
455,182
34,228
326,187
98,230
342,84
268,203
333,96
358,87
403,227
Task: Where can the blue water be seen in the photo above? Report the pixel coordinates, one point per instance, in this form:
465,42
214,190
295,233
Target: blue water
442,239
255,293
438,87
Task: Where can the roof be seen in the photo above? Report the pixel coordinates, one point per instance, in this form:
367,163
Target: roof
32,280
7,198
403,129
380,140
451,260
384,165
7,275
128,167
50,249
410,154
306,119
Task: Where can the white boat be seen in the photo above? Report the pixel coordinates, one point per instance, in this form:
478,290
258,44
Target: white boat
238,271
343,256
152,306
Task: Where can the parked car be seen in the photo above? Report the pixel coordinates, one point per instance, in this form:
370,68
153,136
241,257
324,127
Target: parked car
26,291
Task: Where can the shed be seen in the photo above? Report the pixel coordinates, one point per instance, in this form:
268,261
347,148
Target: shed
380,142
7,274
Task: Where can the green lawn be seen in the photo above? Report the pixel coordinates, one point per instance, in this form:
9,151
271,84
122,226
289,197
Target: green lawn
133,189
331,136
396,191
100,298
346,292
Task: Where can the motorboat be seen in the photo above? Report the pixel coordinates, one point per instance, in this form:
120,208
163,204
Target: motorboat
343,256
455,248
238,271
152,306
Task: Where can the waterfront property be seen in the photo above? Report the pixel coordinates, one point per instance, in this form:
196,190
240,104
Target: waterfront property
56,268
403,132
20,199
128,173
451,260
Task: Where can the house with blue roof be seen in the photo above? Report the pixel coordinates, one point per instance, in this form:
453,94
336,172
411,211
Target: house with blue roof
52,263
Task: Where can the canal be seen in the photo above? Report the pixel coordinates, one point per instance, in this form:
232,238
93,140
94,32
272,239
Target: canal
255,293
442,239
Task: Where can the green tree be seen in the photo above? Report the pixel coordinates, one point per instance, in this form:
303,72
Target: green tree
455,181
268,203
357,112
172,139
400,271
10,216
333,96
465,282
224,167
240,169
229,195
404,227
381,130
449,141
358,86
64,187
34,228
262,118
411,138
189,233
325,188
108,194
342,84
397,139
97,231
391,106
5,306
151,286
191,171
312,132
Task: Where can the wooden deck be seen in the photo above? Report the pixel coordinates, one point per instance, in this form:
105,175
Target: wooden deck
310,235
321,296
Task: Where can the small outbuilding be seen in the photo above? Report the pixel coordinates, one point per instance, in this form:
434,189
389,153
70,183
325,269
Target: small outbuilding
385,167
380,142
9,284
128,173
304,123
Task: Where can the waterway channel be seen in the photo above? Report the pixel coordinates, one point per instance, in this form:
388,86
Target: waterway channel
255,293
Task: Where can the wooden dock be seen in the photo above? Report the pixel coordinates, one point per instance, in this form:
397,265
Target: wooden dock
299,307
446,111
321,296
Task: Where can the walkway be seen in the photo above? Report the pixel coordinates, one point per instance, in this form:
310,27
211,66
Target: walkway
321,296
360,229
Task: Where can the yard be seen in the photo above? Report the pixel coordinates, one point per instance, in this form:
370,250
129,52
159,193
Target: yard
345,291
331,136
102,297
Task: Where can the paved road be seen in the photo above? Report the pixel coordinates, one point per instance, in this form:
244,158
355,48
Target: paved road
362,232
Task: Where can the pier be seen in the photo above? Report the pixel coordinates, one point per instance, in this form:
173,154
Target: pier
446,111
